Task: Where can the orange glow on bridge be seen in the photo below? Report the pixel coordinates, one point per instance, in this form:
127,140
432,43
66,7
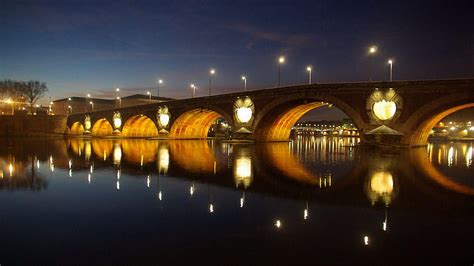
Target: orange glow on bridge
77,129
194,124
139,126
278,128
102,128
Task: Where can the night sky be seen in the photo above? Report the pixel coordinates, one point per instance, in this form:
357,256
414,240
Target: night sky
85,46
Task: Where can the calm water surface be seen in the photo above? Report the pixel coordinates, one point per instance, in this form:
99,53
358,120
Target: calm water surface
311,201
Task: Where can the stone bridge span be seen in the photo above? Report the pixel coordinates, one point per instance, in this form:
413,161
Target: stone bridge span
401,112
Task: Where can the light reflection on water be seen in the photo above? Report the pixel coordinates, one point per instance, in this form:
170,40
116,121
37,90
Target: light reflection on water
300,188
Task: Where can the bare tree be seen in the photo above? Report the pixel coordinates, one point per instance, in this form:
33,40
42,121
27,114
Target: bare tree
10,88
33,90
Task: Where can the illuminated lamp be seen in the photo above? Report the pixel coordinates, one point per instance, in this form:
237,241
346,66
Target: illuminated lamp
243,171
384,110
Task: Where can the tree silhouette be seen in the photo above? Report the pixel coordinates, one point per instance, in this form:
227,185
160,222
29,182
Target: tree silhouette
33,90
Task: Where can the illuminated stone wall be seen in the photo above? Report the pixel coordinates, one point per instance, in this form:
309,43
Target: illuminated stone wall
27,125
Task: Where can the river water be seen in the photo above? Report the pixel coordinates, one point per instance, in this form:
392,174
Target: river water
310,201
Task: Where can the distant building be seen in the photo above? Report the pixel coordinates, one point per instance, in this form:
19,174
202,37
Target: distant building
343,127
74,105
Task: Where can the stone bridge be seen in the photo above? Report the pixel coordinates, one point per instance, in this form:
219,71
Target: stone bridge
401,112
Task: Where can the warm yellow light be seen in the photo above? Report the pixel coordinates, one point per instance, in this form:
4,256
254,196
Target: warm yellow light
382,183
117,122
471,128
373,49
212,71
164,160
117,154
305,214
281,59
243,171
148,93
88,95
244,114
308,68
244,78
366,240
160,81
10,169
390,61
384,110
211,208
9,101
117,89
192,86
164,119
278,224
91,103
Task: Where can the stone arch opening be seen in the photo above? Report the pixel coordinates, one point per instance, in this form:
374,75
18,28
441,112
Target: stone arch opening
101,128
420,135
139,126
277,123
77,129
195,124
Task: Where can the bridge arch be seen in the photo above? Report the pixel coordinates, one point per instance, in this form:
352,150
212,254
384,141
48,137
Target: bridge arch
275,121
418,126
77,129
194,123
102,127
139,126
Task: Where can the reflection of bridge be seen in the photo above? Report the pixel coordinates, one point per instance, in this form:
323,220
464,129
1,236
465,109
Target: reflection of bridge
410,107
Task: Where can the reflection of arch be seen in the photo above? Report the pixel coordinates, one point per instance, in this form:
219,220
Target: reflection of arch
102,148
280,155
421,122
140,151
193,124
139,126
275,121
422,163
77,128
102,127
202,157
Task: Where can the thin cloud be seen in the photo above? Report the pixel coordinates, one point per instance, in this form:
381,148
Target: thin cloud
285,39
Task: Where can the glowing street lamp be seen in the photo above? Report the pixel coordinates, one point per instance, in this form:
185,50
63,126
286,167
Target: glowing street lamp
159,82
9,101
390,62
211,73
372,51
149,95
70,109
281,61
194,89
87,99
244,78
310,73
92,104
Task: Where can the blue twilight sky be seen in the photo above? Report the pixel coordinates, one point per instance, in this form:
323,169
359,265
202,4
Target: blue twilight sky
85,46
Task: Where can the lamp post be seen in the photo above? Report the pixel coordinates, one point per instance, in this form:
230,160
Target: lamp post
211,72
92,104
244,78
87,99
372,51
119,101
160,81
194,90
281,61
149,95
310,73
117,90
390,62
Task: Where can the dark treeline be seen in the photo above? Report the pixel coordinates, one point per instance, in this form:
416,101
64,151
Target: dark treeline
25,91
